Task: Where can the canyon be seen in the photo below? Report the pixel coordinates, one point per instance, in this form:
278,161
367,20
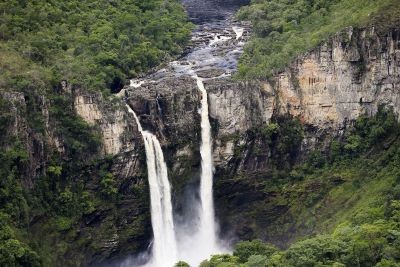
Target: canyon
351,74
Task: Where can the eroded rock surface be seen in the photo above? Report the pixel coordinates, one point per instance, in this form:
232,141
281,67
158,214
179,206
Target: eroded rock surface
351,74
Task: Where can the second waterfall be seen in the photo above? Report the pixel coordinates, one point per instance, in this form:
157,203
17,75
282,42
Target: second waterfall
165,251
207,229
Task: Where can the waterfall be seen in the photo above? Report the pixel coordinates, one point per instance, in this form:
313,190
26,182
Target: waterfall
207,221
196,231
164,245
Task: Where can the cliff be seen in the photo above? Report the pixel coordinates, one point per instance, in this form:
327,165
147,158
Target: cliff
325,90
315,100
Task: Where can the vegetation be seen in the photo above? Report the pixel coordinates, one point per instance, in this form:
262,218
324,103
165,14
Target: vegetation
349,198
93,44
284,29
181,264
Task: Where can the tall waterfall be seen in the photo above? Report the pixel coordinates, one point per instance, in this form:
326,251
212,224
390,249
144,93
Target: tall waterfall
207,229
165,251
217,47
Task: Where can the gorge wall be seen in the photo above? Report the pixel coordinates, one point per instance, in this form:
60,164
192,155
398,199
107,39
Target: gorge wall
350,75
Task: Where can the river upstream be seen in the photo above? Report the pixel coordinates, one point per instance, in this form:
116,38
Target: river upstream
213,53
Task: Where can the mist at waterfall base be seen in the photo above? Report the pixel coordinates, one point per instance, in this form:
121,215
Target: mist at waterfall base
193,247
198,237
194,237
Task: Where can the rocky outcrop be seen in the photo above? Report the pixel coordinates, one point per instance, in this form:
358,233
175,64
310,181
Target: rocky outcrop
239,106
34,140
19,134
110,116
351,74
327,89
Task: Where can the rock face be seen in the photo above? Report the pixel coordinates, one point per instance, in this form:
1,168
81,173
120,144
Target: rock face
110,117
113,226
327,89
18,129
239,106
352,74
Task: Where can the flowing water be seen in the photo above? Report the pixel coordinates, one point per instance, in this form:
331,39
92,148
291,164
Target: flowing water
207,221
164,245
215,48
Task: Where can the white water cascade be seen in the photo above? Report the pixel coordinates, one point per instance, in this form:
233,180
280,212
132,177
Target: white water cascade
165,251
207,229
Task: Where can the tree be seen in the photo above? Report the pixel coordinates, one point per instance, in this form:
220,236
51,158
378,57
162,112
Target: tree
244,249
181,264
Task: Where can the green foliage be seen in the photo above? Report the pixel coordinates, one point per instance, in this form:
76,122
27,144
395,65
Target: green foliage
80,139
12,200
346,202
5,117
368,244
108,188
223,260
13,252
270,131
372,131
63,223
322,250
284,29
181,264
244,249
55,170
291,135
257,261
66,202
95,44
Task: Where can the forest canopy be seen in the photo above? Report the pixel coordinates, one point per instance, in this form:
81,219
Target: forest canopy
93,44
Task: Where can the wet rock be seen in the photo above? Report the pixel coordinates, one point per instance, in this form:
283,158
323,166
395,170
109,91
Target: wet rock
210,73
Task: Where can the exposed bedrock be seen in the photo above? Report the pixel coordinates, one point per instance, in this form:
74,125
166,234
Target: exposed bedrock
327,89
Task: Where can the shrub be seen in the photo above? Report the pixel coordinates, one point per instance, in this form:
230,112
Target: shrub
108,188
181,264
244,249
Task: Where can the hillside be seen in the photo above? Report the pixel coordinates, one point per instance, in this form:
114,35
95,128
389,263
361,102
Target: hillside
57,183
344,203
285,29
91,44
